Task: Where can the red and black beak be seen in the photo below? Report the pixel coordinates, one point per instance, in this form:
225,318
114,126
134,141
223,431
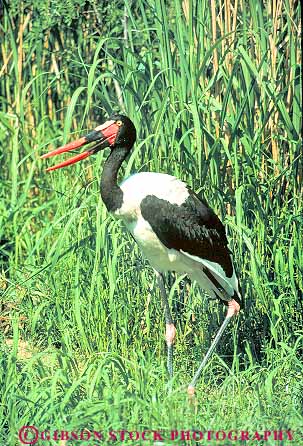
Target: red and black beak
105,135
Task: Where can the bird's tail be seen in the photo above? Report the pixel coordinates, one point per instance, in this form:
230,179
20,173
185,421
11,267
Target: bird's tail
217,286
213,279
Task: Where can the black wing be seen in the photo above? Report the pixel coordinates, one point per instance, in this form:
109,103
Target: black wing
192,227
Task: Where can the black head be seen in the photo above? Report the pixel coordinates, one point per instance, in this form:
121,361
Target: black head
127,134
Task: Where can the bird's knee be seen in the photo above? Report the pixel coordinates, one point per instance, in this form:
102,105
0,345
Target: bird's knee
170,334
233,308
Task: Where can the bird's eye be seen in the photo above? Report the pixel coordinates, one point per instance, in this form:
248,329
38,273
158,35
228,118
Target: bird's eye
119,123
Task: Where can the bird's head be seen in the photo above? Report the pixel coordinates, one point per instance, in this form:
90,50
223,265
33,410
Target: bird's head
117,131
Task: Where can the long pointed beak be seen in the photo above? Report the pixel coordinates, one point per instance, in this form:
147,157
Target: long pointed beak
73,145
105,135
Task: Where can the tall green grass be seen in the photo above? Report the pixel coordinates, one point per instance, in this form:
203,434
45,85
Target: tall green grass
214,89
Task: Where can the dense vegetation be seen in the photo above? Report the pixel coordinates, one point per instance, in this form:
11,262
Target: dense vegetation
214,89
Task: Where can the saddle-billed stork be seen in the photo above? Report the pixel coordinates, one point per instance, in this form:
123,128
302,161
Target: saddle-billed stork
175,229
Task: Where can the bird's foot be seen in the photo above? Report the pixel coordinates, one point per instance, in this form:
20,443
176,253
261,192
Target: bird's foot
191,391
191,396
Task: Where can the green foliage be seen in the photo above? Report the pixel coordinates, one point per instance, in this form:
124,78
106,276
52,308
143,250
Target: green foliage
46,15
215,93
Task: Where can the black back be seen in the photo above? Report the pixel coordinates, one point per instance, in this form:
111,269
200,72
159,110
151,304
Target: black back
192,227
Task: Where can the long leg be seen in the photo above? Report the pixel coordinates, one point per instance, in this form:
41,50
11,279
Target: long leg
233,308
170,327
